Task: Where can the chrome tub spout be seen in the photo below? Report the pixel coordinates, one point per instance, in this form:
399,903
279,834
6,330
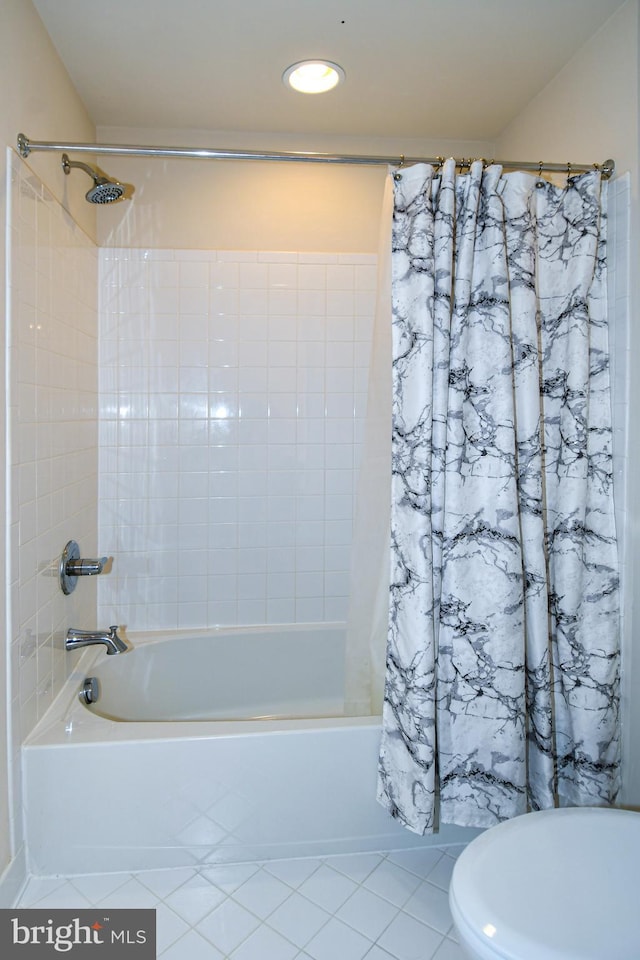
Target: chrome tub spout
85,638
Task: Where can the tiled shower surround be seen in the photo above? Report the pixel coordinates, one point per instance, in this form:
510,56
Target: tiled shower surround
233,391
52,451
233,387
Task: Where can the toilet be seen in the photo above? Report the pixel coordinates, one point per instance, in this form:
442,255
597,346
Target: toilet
554,885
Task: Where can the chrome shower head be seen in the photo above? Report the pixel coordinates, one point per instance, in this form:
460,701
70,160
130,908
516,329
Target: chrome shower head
103,190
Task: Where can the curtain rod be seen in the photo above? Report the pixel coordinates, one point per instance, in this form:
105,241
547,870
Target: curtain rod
26,146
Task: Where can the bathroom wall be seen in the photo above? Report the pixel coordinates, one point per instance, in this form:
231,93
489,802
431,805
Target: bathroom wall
232,391
269,206
53,449
590,112
37,98
227,493
53,443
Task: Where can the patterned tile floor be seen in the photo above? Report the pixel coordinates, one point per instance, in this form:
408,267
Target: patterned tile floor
371,906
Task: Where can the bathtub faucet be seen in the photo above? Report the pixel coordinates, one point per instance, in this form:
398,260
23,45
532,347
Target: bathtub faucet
85,638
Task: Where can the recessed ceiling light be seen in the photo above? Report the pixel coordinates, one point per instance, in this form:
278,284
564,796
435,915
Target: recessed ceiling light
313,76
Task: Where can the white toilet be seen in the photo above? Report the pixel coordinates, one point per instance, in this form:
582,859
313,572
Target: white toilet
556,885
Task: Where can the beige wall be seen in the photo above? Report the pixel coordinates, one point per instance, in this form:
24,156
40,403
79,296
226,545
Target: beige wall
247,205
589,112
37,98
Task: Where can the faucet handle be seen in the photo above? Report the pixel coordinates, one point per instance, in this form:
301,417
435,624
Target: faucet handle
71,567
85,568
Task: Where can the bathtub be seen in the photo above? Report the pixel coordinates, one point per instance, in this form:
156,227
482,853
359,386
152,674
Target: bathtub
207,746
240,674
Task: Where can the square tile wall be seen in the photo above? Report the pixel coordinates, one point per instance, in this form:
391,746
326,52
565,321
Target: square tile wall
233,391
618,295
619,303
52,437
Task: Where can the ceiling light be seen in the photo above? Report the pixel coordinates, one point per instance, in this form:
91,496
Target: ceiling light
313,76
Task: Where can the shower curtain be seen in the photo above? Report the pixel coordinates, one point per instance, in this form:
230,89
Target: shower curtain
502,682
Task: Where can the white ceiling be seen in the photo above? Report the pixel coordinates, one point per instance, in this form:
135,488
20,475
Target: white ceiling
415,68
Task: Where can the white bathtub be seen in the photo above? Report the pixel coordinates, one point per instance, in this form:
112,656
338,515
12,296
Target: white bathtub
240,674
156,789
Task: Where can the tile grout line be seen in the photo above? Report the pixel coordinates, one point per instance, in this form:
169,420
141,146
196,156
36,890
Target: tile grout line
418,877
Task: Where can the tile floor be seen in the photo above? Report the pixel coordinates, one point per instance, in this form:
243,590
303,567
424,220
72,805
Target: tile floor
370,906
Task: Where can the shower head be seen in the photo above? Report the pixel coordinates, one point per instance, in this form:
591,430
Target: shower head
103,190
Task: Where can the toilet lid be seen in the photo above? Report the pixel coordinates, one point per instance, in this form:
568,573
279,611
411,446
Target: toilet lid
554,885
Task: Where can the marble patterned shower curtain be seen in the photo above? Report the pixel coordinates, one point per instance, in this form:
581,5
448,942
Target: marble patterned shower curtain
502,680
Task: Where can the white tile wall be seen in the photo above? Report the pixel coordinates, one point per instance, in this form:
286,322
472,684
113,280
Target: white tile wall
618,293
619,297
233,392
52,457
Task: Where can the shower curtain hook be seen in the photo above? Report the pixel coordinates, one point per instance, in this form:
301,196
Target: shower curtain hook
540,181
397,175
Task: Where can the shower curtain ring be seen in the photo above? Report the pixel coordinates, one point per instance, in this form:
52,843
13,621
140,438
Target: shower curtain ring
540,182
397,175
